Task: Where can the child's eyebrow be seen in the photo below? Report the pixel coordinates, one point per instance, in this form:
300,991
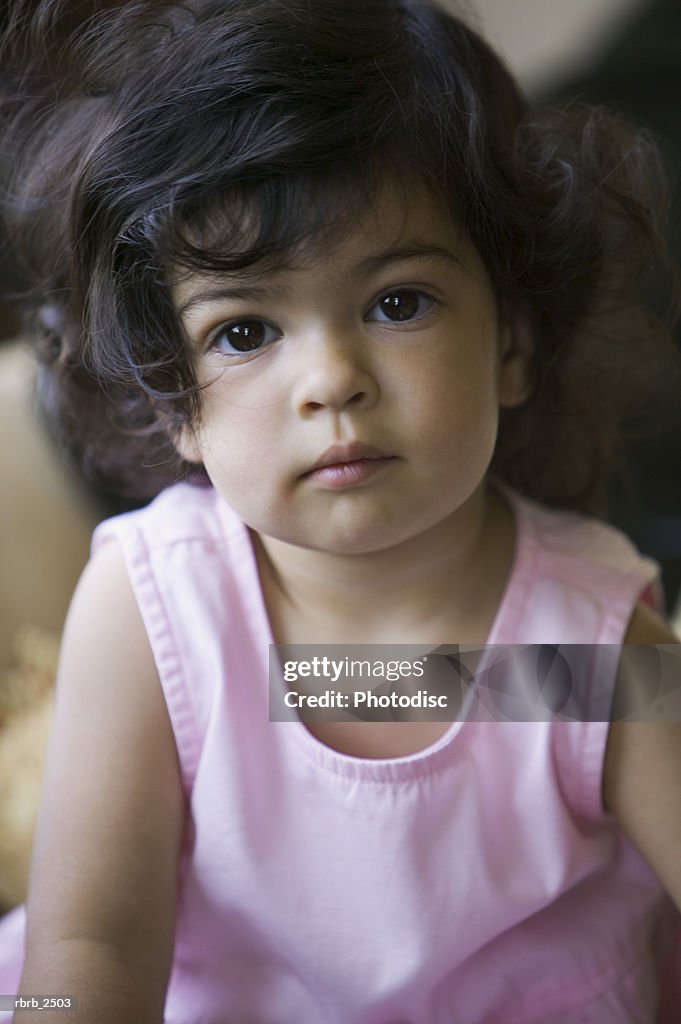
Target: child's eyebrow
239,291
409,251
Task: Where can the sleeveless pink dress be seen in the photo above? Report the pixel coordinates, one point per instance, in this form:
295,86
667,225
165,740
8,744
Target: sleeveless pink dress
478,881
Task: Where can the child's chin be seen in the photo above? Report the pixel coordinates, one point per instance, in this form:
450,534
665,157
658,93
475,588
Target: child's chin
357,541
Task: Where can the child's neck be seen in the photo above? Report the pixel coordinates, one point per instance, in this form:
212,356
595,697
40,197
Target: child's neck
443,586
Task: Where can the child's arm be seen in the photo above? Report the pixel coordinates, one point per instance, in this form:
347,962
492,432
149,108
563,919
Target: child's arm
102,895
642,774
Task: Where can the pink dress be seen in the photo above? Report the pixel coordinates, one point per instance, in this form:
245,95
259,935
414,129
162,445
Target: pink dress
478,881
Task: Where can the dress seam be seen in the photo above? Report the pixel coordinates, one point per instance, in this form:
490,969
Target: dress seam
166,653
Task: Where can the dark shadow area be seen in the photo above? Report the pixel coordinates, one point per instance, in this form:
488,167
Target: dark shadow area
639,74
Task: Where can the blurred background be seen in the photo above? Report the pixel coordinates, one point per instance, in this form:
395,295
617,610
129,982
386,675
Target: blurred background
547,42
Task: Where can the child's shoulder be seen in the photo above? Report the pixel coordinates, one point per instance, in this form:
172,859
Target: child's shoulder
182,512
578,540
576,580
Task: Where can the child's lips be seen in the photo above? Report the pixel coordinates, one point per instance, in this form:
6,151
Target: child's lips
347,465
350,452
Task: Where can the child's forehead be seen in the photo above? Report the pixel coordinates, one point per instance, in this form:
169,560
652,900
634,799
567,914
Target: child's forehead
395,225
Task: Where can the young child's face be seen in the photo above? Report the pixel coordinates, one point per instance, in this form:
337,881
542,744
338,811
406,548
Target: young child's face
391,339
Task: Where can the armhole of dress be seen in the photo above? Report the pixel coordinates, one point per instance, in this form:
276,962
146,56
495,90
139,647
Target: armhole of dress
163,645
653,596
581,746
579,750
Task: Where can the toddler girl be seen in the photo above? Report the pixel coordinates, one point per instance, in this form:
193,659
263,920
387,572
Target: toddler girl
316,276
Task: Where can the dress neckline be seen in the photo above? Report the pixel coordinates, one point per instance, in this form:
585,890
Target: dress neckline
430,758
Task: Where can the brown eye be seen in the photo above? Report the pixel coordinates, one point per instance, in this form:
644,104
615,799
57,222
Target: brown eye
400,306
244,336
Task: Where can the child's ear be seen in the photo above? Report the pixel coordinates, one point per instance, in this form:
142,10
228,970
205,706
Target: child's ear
516,356
180,434
186,445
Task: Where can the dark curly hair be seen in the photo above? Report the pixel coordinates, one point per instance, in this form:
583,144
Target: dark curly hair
143,135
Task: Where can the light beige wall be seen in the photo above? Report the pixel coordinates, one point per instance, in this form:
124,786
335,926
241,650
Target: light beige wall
45,520
543,40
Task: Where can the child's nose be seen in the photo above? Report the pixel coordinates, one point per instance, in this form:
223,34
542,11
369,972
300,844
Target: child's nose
333,373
